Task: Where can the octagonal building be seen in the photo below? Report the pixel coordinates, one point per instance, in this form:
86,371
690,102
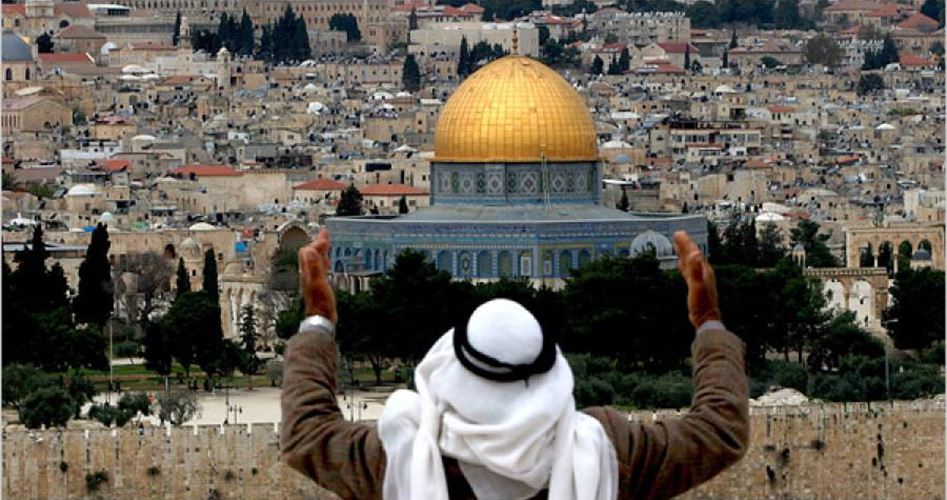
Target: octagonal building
516,190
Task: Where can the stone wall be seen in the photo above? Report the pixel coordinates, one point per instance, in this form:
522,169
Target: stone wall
833,451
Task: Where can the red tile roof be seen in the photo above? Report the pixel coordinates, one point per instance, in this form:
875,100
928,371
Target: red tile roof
472,8
851,5
886,10
677,47
669,69
320,185
79,32
911,60
74,10
918,22
391,190
117,165
206,171
66,58
14,9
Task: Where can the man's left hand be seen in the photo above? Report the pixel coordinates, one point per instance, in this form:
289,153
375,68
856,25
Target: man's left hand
314,278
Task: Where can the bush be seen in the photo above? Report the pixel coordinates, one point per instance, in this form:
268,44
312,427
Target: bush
274,372
49,406
593,392
778,373
916,381
127,349
104,413
934,354
93,481
665,391
177,406
134,402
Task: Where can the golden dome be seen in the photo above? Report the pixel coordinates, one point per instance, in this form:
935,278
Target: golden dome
515,109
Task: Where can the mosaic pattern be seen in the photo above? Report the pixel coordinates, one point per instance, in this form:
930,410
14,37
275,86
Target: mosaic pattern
514,183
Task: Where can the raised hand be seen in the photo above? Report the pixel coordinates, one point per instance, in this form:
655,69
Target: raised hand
701,284
313,278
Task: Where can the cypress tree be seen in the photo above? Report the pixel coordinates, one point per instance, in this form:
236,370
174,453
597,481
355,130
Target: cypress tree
94,301
30,274
411,74
733,40
889,52
210,285
687,57
176,37
624,60
726,58
597,65
350,203
413,19
403,205
246,34
463,62
183,280
223,31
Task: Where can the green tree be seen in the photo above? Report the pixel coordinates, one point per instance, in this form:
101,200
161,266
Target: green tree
413,19
19,381
869,83
934,9
209,282
347,23
48,406
841,337
624,61
247,43
597,65
714,244
94,301
196,332
817,250
411,74
403,205
916,316
182,280
81,390
44,44
725,58
786,15
463,61
889,51
687,56
176,33
177,407
771,249
734,43
250,362
623,203
350,203
287,320
159,347
823,49
770,62
704,14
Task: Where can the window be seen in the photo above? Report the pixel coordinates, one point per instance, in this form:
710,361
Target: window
8,74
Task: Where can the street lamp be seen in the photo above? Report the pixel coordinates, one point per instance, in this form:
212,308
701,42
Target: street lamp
235,409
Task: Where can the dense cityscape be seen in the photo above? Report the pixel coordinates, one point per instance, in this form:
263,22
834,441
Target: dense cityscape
164,160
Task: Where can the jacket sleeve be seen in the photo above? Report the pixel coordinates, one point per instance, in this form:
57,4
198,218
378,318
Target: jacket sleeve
671,456
346,458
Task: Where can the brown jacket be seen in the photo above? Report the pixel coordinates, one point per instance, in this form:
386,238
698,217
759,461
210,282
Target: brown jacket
659,460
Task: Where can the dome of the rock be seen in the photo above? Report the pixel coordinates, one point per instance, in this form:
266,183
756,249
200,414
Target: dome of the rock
513,110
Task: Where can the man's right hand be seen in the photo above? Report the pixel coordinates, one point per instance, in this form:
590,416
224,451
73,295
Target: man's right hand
701,284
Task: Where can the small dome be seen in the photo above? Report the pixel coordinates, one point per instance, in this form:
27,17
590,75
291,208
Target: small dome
769,217
108,47
652,241
202,226
144,137
81,190
189,243
921,254
15,49
885,126
132,69
106,217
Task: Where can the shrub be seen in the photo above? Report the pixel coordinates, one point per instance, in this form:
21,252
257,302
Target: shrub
104,413
665,391
93,481
274,372
134,402
778,373
47,406
177,406
127,349
593,392
916,381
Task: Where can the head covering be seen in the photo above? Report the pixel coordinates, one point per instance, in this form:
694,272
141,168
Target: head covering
511,437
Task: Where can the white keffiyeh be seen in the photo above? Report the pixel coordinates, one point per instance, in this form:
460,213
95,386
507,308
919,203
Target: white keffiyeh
511,439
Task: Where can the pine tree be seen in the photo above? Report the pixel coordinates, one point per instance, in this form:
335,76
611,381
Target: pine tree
94,301
350,203
246,34
176,36
30,274
210,285
687,57
733,40
251,364
597,65
463,62
411,74
889,51
725,60
224,35
303,49
183,280
403,205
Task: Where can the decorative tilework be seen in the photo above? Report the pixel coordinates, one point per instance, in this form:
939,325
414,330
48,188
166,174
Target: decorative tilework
528,182
467,183
558,182
495,183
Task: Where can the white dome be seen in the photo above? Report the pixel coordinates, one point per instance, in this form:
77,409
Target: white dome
108,47
652,240
885,126
315,107
81,190
106,217
202,226
724,89
769,217
144,137
133,69
189,243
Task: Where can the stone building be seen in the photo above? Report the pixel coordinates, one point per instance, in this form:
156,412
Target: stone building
34,113
446,38
642,28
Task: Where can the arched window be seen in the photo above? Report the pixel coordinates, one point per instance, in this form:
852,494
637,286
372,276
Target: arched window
483,265
443,261
505,264
565,263
64,24
525,264
8,74
26,74
584,258
547,263
465,264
